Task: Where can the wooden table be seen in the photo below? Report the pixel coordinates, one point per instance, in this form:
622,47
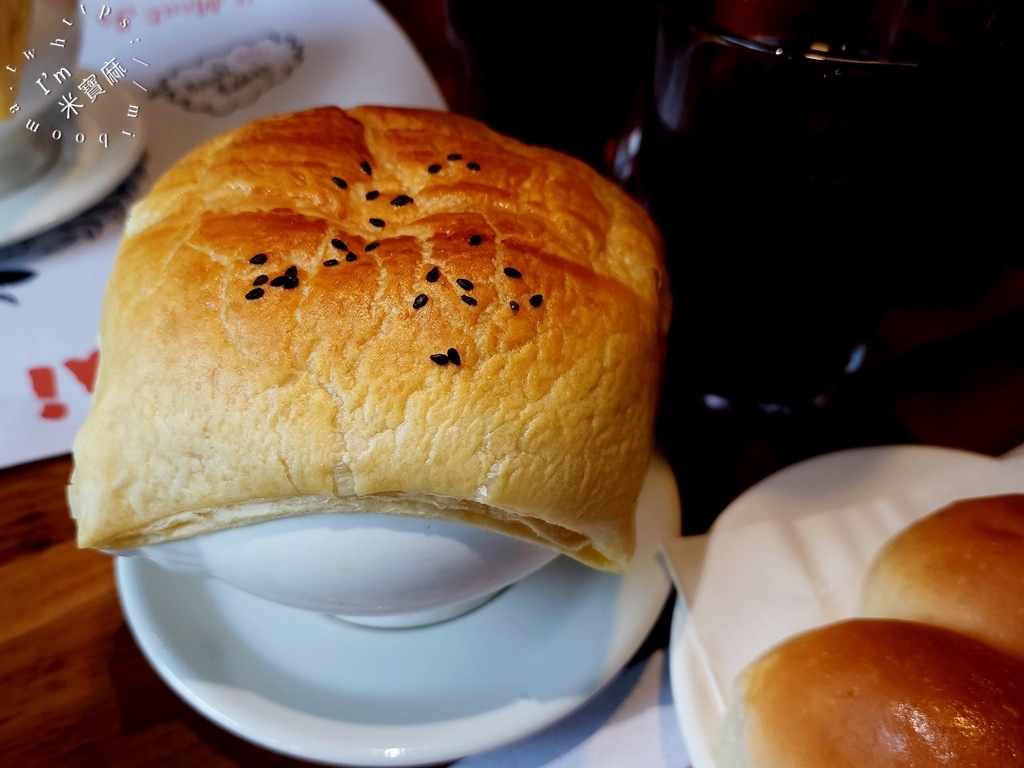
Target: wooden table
75,690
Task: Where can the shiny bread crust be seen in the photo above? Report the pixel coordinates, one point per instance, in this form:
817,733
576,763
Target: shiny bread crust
960,567
318,393
877,692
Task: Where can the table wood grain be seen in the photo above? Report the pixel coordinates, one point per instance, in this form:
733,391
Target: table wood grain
76,691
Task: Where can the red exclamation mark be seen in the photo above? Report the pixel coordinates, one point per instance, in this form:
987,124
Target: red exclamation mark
84,369
44,382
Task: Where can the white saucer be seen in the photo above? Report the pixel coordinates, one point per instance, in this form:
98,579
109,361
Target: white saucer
83,174
833,481
318,688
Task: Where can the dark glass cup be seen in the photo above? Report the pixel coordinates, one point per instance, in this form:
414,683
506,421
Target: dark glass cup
813,164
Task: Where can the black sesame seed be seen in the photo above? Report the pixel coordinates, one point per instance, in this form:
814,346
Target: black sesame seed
512,272
455,157
434,169
453,355
351,256
372,246
260,280
536,299
469,300
292,272
419,301
372,195
366,168
259,258
464,284
433,274
440,359
514,305
473,166
475,240
401,200
285,281
377,222
339,244
255,293
331,263
340,182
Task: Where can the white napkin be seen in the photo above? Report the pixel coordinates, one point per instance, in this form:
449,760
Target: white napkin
809,569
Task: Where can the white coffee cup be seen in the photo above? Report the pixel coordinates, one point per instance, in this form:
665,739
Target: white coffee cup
43,78
380,570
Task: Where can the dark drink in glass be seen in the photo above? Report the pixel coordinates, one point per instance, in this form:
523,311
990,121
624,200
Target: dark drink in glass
812,164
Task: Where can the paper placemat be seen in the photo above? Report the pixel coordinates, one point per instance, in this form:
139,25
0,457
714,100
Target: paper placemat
782,559
191,69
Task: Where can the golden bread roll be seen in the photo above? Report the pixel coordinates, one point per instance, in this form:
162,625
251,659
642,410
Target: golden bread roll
961,567
863,693
377,310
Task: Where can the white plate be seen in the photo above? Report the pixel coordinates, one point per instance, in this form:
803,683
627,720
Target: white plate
320,689
833,481
84,172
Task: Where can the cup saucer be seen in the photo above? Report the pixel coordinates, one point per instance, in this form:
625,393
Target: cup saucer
319,688
84,172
